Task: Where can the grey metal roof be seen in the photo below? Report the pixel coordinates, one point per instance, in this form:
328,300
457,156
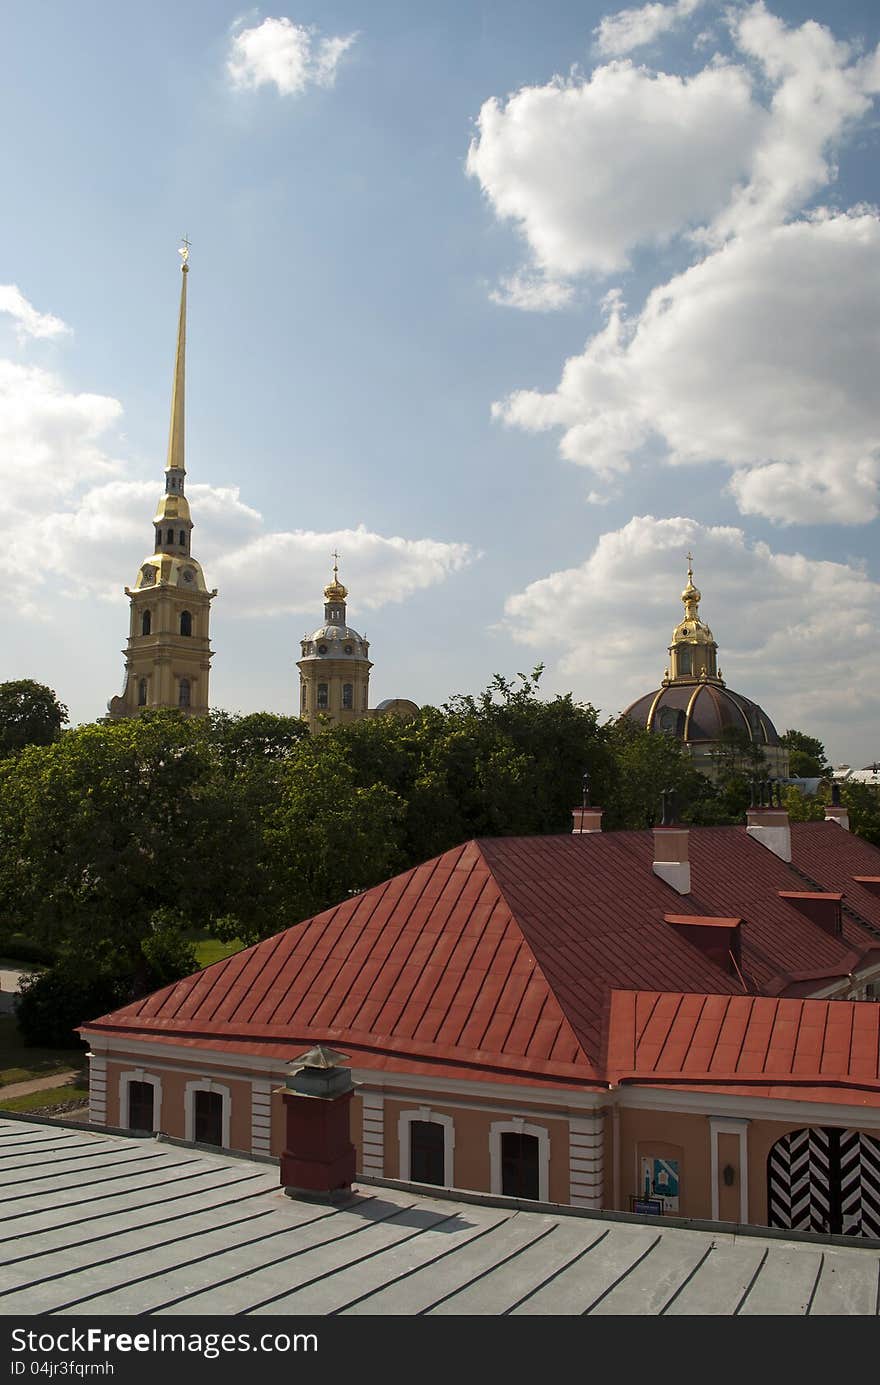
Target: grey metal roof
108,1224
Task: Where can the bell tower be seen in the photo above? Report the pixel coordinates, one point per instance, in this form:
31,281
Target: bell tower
334,671
168,656
693,653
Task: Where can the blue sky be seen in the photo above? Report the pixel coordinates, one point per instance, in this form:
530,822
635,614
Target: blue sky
678,200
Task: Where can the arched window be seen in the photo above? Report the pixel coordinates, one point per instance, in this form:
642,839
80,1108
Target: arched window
685,661
183,538
427,1142
323,697
304,697
348,695
186,623
142,693
519,1159
170,535
158,538
146,623
183,693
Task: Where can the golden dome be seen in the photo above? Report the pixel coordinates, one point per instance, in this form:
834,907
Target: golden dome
335,591
172,506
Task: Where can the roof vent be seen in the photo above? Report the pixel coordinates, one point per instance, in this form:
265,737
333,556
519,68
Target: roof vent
822,907
718,939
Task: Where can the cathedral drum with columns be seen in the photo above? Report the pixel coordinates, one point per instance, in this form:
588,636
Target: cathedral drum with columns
168,657
334,671
694,705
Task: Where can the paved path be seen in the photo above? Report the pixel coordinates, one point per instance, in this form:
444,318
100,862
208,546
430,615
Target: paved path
38,1084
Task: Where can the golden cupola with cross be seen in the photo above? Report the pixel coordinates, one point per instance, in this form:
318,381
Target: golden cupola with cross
693,653
168,656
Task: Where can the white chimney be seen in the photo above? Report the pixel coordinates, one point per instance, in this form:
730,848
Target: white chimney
671,857
586,820
769,825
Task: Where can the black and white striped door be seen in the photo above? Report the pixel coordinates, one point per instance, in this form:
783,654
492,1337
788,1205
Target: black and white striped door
825,1179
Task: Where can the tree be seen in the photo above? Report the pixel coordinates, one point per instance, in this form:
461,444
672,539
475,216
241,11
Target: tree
645,765
113,823
30,714
807,758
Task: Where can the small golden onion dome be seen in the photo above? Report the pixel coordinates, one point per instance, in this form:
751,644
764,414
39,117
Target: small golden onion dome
335,591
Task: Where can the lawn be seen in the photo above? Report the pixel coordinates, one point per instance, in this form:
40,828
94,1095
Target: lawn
18,1063
77,1092
210,950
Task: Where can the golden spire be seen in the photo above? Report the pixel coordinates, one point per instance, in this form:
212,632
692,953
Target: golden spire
176,435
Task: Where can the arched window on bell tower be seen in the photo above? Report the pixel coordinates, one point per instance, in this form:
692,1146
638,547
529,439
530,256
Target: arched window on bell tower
186,623
146,623
184,693
142,692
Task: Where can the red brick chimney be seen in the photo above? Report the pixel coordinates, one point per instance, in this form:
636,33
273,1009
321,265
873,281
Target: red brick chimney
319,1159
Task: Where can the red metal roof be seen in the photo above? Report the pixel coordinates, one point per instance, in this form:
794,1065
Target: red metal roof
742,1043
498,956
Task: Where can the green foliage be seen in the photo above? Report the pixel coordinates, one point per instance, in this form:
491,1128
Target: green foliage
30,714
803,807
53,1003
807,758
862,802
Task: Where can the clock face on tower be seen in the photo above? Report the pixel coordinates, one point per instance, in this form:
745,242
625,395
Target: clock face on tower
188,576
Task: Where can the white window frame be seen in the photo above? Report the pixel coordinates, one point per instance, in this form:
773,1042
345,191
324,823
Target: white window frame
424,1113
138,1075
189,1107
519,1126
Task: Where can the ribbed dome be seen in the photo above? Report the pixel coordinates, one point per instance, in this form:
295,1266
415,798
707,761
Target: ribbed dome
335,642
702,712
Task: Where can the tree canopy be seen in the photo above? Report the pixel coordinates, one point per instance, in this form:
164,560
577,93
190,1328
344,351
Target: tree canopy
30,714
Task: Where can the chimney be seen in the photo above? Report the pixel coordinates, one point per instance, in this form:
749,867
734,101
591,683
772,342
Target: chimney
835,811
319,1159
671,857
586,818
767,821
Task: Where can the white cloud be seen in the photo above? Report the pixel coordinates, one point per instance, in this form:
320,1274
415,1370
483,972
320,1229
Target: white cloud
289,56
620,33
590,168
30,323
820,88
51,440
763,355
777,618
531,292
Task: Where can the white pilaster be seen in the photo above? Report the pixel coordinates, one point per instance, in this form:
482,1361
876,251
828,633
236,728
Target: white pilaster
261,1117
373,1134
586,1160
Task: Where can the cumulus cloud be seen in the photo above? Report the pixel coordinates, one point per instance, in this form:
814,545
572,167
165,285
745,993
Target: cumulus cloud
820,89
626,30
763,356
605,625
589,168
51,439
29,322
288,56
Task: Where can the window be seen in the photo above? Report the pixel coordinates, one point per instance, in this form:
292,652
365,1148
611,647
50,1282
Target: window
170,535
207,1109
426,1150
158,538
348,695
146,623
519,1159
365,700
685,661
519,1165
426,1143
323,696
140,1106
183,693
183,538
208,1118
142,693
186,623
303,697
